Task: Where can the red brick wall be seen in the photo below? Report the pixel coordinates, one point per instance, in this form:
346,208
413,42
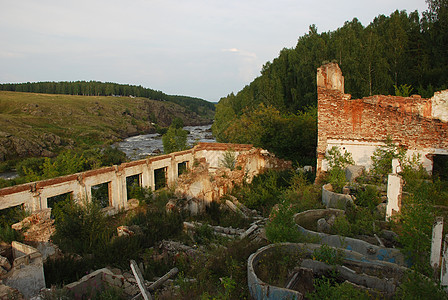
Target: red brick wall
407,120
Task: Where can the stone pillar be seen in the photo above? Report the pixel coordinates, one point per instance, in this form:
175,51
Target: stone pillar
396,167
444,268
172,171
394,191
147,175
436,243
81,193
36,203
117,193
152,181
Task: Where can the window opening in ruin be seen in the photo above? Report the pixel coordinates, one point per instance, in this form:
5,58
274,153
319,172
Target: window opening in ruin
181,168
11,215
101,195
133,182
160,178
52,201
440,166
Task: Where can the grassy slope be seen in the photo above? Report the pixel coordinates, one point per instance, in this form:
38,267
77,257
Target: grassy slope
52,122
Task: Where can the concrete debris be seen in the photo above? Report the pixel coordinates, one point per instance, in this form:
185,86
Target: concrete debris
301,280
323,226
7,292
241,206
4,263
235,209
384,285
228,232
173,248
249,231
133,203
35,218
96,281
159,282
140,281
353,172
124,231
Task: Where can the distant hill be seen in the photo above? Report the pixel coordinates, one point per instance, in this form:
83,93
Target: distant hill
33,124
97,88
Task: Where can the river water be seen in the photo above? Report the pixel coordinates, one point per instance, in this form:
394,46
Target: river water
140,146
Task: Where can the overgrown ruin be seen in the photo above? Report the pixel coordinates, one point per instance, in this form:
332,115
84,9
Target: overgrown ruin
360,125
154,173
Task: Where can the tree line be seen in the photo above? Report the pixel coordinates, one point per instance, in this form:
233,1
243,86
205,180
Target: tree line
393,54
97,88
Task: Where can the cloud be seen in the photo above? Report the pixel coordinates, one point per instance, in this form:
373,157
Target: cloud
231,50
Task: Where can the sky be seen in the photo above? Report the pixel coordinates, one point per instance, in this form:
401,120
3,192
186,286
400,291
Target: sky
200,48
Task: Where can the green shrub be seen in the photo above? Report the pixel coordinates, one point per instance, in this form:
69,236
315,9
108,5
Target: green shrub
80,228
11,215
342,226
337,159
8,235
326,288
66,269
281,226
337,162
328,255
228,159
368,196
302,194
382,159
175,139
156,225
416,220
264,191
142,194
416,286
336,176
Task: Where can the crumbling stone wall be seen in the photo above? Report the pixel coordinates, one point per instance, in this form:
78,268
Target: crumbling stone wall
208,184
34,195
418,124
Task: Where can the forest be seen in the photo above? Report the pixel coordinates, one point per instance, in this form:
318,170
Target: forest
401,54
97,88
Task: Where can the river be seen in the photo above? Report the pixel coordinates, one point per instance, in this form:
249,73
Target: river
140,146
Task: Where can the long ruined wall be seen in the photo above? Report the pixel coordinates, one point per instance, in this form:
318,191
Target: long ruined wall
360,125
34,196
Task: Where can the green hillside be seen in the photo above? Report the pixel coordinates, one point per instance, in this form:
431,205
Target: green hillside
43,124
97,88
276,111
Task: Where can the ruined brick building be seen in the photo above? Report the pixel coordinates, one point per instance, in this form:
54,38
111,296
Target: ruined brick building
361,125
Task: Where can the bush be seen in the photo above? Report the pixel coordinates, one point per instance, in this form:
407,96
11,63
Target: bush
281,227
66,269
329,255
368,196
175,139
417,286
228,159
135,191
416,220
302,194
382,159
80,228
264,191
328,288
337,162
8,235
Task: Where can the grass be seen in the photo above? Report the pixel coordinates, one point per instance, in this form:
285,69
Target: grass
82,121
